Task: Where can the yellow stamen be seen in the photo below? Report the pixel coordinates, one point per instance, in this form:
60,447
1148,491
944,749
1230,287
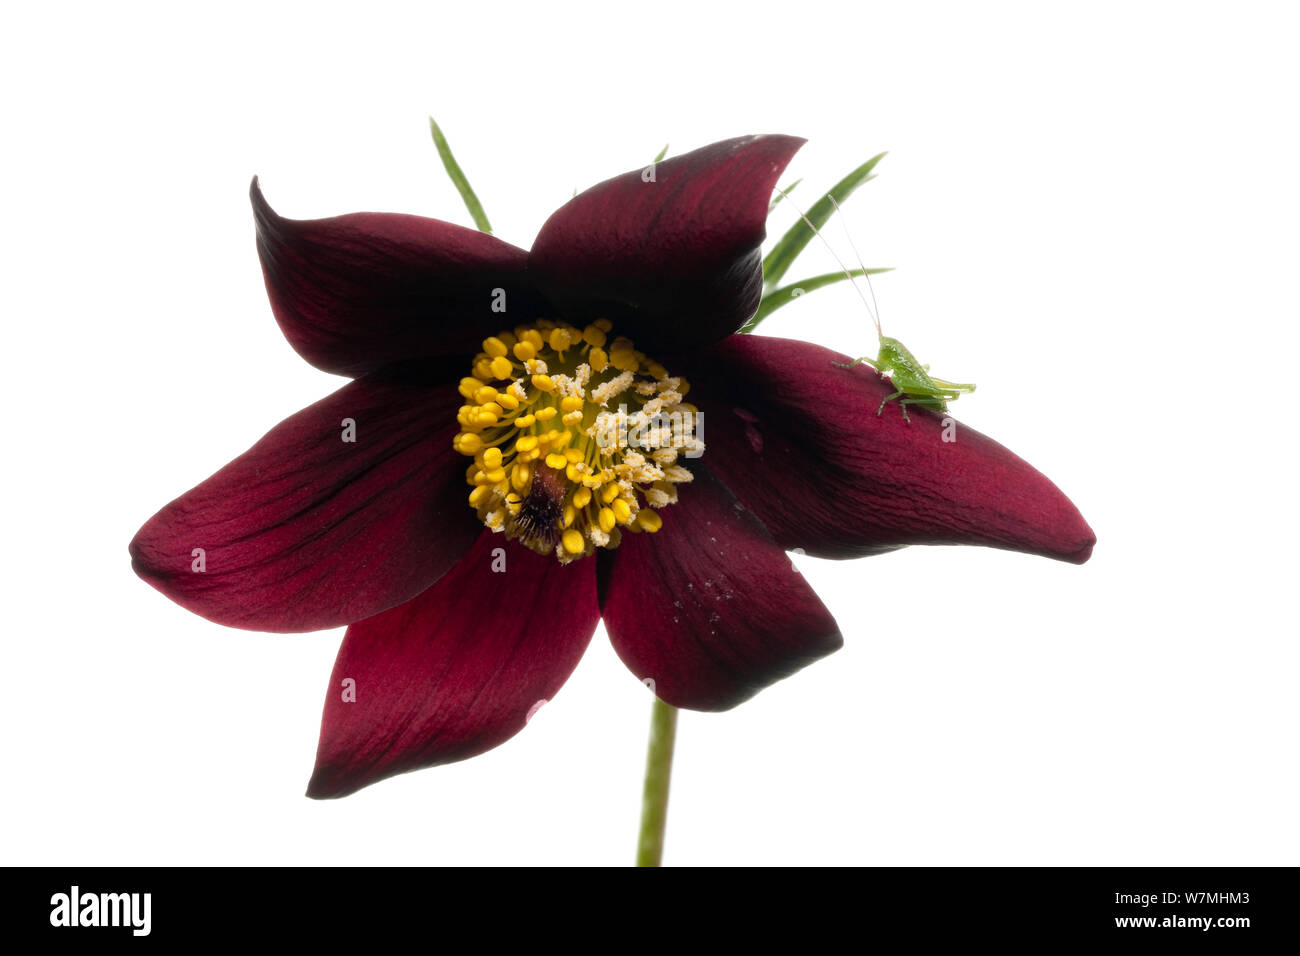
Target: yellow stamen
574,436
573,542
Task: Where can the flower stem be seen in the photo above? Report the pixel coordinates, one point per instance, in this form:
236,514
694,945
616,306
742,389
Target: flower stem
658,771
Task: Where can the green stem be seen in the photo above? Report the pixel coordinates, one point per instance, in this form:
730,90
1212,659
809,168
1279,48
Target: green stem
658,771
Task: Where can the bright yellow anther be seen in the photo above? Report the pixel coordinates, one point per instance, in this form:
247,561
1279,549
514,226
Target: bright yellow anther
598,360
492,458
483,368
569,515
469,387
607,520
554,460
573,542
609,493
485,394
526,443
594,335
494,347
649,520
544,383
573,454
533,336
480,495
520,475
467,443
501,367
622,511
570,403
546,414
507,401
525,351
496,476
574,472
525,421
581,497
558,340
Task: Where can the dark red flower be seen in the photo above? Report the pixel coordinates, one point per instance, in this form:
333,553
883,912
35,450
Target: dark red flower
446,653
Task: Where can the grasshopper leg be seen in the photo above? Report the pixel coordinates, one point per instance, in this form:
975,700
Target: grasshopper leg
854,362
937,402
887,400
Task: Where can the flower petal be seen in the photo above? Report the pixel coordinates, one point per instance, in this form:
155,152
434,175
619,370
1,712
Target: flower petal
456,671
799,442
673,261
357,292
710,607
305,530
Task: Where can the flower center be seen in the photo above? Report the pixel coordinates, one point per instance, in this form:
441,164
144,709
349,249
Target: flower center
554,465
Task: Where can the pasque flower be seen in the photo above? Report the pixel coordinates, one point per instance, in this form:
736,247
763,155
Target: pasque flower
483,371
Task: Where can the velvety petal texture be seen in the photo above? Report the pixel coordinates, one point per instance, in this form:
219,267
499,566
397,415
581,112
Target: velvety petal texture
458,670
669,253
306,530
799,442
710,607
357,292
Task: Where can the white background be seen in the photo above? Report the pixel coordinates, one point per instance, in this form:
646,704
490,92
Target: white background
1093,211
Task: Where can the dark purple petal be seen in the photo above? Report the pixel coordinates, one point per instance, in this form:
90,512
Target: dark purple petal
456,671
673,263
355,293
710,607
306,531
799,442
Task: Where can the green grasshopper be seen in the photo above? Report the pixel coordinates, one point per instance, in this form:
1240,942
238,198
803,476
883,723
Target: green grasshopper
913,381
915,384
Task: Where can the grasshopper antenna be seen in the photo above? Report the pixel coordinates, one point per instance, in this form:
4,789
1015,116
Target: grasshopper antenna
875,313
871,311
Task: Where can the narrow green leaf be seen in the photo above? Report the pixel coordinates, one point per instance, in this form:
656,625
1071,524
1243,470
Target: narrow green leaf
662,153
784,253
458,179
782,193
776,298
